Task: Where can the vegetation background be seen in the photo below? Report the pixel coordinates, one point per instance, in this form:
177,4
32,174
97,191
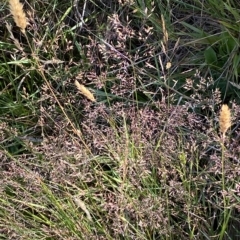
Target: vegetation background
146,159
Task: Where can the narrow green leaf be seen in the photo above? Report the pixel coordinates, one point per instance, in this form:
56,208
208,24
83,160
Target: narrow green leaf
210,56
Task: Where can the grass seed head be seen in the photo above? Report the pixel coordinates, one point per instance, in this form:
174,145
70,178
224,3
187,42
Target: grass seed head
224,119
19,16
84,91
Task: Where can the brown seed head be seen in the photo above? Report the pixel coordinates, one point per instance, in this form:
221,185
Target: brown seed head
19,16
224,119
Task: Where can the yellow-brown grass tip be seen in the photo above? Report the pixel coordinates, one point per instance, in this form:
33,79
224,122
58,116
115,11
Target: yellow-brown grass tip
19,16
84,91
224,119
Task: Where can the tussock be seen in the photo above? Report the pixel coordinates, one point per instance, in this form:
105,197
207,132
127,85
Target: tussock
224,119
84,91
19,16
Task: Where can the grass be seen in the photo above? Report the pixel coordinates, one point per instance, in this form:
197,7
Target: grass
146,160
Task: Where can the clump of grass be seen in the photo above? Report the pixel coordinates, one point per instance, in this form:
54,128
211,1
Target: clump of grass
19,16
143,168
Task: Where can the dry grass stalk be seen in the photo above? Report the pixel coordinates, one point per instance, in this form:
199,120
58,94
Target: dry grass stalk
224,119
19,16
85,91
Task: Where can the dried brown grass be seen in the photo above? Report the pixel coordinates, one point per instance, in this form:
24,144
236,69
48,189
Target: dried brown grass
19,16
